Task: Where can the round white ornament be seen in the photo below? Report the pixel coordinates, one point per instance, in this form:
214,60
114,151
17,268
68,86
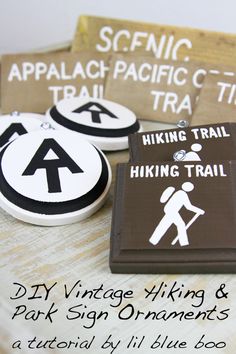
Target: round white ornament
16,124
104,123
52,177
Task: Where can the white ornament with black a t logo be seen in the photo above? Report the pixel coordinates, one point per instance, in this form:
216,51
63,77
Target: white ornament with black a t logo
16,124
104,123
52,178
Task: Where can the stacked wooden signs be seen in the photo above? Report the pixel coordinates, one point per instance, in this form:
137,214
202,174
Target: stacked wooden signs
156,71
159,70
174,209
170,89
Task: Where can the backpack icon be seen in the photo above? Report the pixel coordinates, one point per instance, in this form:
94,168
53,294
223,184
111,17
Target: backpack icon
167,194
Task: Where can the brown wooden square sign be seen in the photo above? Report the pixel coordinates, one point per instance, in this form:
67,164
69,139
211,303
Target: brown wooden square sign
174,218
198,143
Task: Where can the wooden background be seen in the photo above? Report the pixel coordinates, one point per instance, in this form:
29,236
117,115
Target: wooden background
208,47
32,254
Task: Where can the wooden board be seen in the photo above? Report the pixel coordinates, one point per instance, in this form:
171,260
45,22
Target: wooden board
165,42
217,100
35,82
161,90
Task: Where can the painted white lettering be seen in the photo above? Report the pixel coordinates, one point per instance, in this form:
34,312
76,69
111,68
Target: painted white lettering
40,69
27,70
157,95
55,93
177,76
136,43
117,36
182,42
119,68
14,73
106,30
53,72
223,86
185,105
198,77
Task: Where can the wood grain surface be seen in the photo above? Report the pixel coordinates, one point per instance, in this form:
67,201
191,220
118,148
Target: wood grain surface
216,102
206,46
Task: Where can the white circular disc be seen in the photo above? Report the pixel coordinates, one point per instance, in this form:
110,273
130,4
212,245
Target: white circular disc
52,178
104,123
13,126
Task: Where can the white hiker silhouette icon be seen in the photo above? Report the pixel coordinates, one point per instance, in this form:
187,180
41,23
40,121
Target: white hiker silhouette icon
173,206
192,155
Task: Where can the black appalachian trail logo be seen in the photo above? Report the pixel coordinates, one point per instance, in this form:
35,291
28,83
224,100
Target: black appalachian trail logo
41,161
96,109
14,130
175,200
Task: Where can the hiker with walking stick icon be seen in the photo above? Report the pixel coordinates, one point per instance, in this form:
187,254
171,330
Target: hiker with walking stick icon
174,202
